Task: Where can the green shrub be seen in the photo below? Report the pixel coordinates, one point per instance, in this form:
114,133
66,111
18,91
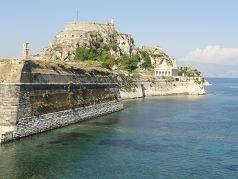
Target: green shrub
130,62
84,54
107,60
114,47
147,61
189,72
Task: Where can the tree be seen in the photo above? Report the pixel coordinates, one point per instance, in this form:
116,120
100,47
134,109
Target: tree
107,60
130,62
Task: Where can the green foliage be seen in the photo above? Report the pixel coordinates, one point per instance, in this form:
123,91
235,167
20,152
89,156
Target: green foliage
107,60
113,42
130,63
147,61
189,72
114,47
199,81
84,54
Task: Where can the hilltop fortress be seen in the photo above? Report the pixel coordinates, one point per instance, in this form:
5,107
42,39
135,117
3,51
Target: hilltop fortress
83,34
54,89
89,34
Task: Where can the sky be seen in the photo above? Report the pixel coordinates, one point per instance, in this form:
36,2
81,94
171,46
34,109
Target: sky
199,33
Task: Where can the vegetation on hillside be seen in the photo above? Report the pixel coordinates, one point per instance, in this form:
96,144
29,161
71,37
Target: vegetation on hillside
145,56
189,72
125,62
100,51
129,63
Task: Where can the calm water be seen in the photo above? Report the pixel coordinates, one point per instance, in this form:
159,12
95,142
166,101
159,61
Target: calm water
162,137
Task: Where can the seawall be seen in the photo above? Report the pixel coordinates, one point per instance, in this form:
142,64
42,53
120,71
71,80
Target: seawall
138,87
49,96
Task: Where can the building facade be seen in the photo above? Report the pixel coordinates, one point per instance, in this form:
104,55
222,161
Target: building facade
166,67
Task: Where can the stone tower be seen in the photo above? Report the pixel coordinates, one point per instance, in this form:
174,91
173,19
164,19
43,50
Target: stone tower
26,50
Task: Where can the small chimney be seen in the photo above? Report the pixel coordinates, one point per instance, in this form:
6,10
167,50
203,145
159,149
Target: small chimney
26,50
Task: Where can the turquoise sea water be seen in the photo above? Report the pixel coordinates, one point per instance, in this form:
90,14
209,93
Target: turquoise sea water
161,137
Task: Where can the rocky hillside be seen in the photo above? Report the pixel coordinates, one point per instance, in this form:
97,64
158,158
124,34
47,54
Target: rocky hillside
93,41
88,35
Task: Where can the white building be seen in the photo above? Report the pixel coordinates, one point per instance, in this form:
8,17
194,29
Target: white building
166,67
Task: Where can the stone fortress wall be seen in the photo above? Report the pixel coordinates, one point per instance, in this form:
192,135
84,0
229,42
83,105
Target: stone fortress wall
46,98
42,98
78,31
88,26
156,86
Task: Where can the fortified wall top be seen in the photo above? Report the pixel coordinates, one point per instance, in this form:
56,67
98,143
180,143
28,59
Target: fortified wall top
88,26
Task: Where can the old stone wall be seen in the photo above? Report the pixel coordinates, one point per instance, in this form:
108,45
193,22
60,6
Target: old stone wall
9,103
147,86
35,124
31,108
88,26
46,98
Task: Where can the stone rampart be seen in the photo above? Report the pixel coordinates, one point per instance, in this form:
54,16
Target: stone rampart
87,26
43,100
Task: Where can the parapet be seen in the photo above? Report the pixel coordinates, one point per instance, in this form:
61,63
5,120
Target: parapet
87,26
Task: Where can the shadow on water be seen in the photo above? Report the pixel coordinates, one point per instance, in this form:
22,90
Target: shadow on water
106,122
37,159
69,137
127,143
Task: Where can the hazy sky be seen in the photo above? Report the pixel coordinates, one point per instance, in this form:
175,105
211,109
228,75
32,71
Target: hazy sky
195,32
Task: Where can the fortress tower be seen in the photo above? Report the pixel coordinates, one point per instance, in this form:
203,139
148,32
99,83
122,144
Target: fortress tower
26,50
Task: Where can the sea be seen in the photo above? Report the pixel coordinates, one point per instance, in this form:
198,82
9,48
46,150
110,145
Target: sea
174,137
